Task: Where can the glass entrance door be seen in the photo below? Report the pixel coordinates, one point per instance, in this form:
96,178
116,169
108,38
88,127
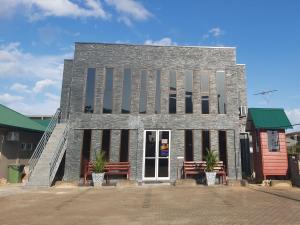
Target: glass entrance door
157,148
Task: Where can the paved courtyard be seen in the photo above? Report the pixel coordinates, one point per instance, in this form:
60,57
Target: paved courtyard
150,205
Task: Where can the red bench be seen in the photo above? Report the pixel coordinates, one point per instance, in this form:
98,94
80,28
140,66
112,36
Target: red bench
193,168
198,168
111,168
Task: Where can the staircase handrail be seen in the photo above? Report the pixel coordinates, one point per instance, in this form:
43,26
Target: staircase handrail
43,141
57,152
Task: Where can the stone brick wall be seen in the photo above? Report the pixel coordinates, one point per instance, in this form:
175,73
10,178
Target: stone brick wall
137,57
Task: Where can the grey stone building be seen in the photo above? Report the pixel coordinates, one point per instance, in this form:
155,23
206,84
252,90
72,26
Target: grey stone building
153,106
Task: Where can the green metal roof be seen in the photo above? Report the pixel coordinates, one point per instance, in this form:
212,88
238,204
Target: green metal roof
269,118
43,122
11,118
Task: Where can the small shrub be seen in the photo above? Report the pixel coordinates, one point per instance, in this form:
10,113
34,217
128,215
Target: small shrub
99,163
211,160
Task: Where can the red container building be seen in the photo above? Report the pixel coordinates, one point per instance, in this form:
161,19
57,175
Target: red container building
267,127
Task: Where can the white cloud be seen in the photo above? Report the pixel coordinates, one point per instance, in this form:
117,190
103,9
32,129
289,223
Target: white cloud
166,41
22,88
294,116
18,64
42,84
213,32
52,97
8,98
129,10
37,9
32,107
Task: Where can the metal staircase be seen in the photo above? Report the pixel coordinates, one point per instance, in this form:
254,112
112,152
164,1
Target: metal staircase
48,154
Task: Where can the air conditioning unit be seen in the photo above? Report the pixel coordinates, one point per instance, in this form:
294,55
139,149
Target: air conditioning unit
243,111
13,136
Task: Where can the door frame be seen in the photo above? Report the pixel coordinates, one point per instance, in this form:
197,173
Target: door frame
156,178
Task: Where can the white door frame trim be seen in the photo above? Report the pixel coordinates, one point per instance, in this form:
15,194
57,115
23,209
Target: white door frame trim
156,178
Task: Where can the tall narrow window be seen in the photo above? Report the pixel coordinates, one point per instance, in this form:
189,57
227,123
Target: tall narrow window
273,140
86,149
172,92
189,148
205,104
205,143
220,76
126,97
124,146
107,101
223,147
157,92
143,92
189,91
204,83
90,90
106,143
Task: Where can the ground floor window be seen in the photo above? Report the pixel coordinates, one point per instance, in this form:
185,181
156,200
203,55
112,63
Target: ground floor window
205,143
124,146
188,142
223,147
86,149
106,136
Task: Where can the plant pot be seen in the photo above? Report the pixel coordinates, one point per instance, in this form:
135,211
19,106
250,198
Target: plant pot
210,178
98,179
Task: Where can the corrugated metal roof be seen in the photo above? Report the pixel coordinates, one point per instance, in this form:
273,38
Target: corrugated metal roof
11,118
269,118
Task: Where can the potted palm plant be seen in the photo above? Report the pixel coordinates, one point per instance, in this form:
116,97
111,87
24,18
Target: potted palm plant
98,164
211,162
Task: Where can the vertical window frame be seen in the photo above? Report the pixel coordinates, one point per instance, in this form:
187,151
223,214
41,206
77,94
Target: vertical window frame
171,73
124,100
110,111
86,88
225,93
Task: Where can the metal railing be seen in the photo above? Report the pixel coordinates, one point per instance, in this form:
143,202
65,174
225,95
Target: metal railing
43,142
57,154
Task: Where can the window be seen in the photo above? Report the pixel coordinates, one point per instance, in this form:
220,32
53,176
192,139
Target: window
189,91
107,99
126,97
143,93
85,149
223,147
157,93
106,143
23,146
273,140
29,146
220,76
205,143
124,146
205,104
172,92
204,83
90,90
189,148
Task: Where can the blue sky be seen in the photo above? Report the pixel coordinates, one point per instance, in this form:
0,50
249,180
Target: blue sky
35,37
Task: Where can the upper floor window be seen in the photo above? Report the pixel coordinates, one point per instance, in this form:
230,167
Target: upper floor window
90,90
143,93
107,99
189,91
126,96
157,92
204,83
172,92
220,78
205,104
273,141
